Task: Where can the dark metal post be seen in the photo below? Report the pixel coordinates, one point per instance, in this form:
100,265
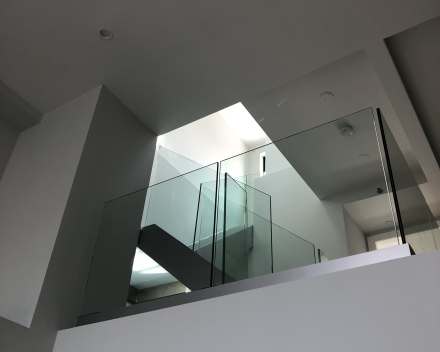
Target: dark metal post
390,172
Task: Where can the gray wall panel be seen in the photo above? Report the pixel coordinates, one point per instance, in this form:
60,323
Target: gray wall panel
8,138
117,159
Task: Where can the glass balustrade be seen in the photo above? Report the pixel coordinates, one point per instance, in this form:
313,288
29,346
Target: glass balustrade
145,247
322,258
417,224
250,244
169,164
327,185
342,189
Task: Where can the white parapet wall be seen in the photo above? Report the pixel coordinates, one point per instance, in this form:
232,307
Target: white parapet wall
389,306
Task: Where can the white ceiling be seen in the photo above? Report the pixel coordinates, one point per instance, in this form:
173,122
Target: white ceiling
372,215
295,106
244,126
172,62
336,167
416,53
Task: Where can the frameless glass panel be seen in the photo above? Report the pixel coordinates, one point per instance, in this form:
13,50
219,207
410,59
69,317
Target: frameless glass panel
172,223
417,222
322,257
170,164
260,244
290,251
203,239
260,259
235,232
244,232
327,184
110,271
145,247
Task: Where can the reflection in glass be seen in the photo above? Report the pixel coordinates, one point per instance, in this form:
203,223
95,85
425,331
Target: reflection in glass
322,257
146,246
261,212
417,224
327,185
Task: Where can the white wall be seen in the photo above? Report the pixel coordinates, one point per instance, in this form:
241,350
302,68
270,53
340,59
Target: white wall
297,209
356,240
116,160
204,141
33,194
388,307
295,206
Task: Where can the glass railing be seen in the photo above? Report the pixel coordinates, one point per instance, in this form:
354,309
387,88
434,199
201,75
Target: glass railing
342,188
322,258
417,224
247,243
145,245
169,164
326,184
247,231
290,251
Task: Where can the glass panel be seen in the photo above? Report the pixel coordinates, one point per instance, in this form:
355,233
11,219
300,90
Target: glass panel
146,243
169,231
260,259
290,251
322,257
246,229
326,185
170,164
235,232
418,224
203,238
110,270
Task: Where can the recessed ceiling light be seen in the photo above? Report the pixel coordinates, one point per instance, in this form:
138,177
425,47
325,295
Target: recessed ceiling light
363,156
327,97
346,131
105,34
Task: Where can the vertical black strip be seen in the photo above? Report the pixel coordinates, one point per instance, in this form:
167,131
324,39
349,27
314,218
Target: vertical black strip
214,228
197,217
390,173
224,235
271,235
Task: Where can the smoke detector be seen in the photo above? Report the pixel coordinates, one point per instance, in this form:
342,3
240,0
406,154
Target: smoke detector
346,131
327,97
105,34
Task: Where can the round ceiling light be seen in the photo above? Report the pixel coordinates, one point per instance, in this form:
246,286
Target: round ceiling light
105,34
327,97
346,131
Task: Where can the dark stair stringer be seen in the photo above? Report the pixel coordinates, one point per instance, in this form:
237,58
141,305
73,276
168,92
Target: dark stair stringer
180,261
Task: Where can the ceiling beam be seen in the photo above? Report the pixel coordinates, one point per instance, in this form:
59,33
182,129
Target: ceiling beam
406,118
